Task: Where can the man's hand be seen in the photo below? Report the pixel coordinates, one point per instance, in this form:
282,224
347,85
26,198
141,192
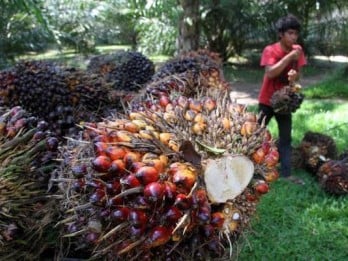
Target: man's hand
292,75
295,53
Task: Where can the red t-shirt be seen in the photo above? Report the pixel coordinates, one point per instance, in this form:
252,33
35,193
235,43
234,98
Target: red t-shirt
270,56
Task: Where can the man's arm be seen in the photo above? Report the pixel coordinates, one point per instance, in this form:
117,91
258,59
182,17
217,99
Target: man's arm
275,70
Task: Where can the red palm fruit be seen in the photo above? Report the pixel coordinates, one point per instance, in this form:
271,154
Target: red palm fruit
172,215
217,219
154,191
115,152
113,187
117,167
147,174
130,157
95,183
195,105
136,166
261,187
137,218
266,145
79,170
258,156
20,123
163,100
39,135
10,132
101,163
215,247
130,181
136,232
98,197
169,191
203,214
208,230
119,214
251,197
158,236
52,144
271,175
199,197
100,138
100,148
79,185
140,201
183,201
156,163
92,237
184,178
209,104
114,201
272,158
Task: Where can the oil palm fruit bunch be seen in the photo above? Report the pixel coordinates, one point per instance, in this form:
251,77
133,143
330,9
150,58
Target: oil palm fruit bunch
333,176
57,94
316,148
28,210
197,62
288,99
126,70
179,180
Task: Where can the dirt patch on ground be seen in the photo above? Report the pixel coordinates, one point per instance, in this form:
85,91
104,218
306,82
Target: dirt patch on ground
247,93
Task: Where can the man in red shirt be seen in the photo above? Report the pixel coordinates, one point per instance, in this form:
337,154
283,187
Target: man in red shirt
282,61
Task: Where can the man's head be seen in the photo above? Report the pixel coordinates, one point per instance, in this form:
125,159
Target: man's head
288,22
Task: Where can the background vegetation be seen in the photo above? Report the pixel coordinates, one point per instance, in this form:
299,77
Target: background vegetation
232,28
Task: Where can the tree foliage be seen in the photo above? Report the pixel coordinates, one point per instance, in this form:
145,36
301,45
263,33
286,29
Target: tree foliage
153,26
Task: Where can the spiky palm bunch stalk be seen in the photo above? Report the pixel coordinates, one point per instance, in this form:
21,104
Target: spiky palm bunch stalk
27,210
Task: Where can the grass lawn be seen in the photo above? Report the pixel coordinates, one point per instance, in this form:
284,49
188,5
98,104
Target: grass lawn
295,222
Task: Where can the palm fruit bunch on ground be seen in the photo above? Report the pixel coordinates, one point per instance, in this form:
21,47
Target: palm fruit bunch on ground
127,71
174,178
57,94
333,175
197,62
287,100
28,211
316,148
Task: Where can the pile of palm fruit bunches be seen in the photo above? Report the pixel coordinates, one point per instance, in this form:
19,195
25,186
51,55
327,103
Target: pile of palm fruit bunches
317,154
177,175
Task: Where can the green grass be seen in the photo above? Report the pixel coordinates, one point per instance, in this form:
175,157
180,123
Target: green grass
296,222
335,86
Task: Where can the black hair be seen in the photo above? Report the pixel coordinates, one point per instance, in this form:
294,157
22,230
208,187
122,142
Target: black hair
288,22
